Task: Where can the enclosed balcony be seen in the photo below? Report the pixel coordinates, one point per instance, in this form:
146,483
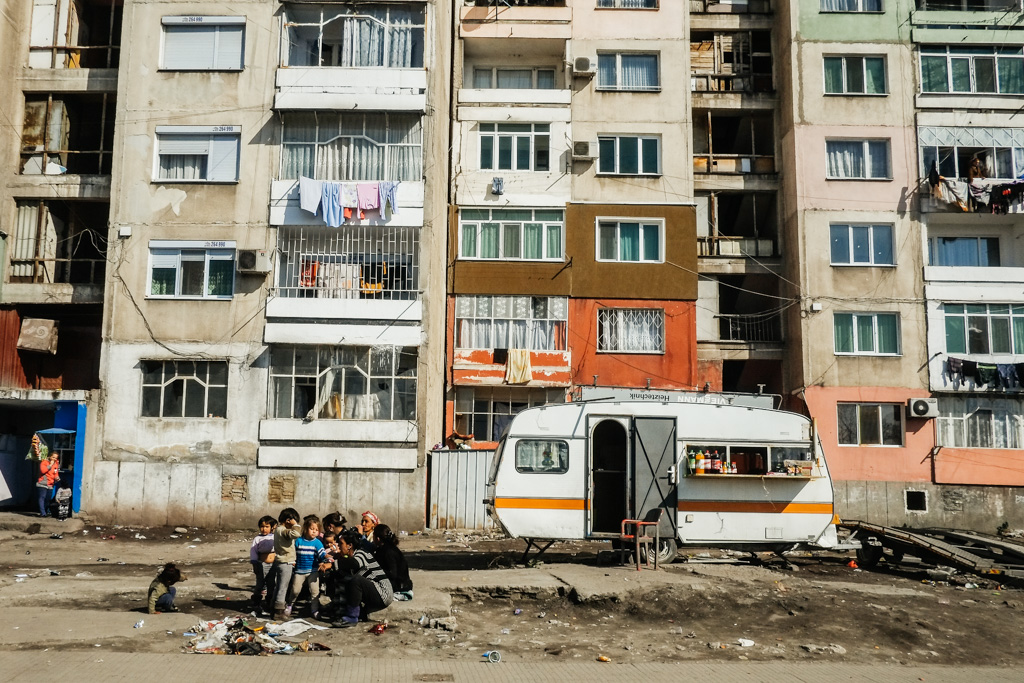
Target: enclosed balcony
971,169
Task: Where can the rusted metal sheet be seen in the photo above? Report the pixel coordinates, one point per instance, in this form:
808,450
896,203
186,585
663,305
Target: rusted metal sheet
457,484
12,374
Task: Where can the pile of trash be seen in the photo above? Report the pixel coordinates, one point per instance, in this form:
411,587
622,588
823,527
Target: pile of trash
237,636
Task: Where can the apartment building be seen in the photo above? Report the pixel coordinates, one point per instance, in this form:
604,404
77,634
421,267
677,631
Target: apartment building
255,354
898,283
57,105
572,259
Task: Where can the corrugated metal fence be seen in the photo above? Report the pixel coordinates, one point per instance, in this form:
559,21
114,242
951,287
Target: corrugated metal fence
457,482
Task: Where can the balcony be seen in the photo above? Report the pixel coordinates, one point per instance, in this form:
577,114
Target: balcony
57,252
751,327
70,34
731,62
67,134
739,317
734,7
530,19
731,144
736,225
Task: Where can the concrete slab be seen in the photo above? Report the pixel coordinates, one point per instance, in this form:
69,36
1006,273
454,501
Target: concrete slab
20,521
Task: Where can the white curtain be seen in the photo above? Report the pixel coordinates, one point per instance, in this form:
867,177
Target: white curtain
845,159
183,166
639,72
362,43
515,78
631,330
980,422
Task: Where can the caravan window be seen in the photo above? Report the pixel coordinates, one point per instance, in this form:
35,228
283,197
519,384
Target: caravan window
542,455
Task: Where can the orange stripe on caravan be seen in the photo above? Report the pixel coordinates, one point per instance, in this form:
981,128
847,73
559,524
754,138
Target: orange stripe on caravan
541,503
745,506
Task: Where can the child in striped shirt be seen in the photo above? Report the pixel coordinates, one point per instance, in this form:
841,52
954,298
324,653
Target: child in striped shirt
310,558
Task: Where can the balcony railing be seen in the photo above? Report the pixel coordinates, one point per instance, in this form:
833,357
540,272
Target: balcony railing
968,5
733,163
353,262
751,327
516,3
713,6
735,246
718,82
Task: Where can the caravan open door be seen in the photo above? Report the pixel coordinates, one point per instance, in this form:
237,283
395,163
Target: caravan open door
654,462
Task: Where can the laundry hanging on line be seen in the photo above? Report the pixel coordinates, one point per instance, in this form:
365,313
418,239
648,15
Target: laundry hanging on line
337,201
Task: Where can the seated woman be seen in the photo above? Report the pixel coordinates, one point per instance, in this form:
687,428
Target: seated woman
392,561
364,587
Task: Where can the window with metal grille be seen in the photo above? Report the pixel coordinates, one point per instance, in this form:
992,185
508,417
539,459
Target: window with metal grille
351,262
184,388
631,330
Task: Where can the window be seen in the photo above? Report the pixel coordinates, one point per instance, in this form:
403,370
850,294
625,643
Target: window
629,155
972,69
343,382
627,71
854,75
915,501
851,5
347,146
487,78
984,328
515,146
857,159
867,333
511,234
191,270
536,323
629,4
953,149
629,241
541,455
198,153
484,412
861,245
204,43
870,424
184,388
963,251
980,422
357,35
631,330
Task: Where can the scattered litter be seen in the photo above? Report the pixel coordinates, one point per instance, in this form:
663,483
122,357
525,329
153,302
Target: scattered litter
21,576
170,633
174,536
825,649
745,642
307,646
852,564
379,628
19,581
217,597
122,563
970,585
506,631
53,572
602,658
180,530
445,623
197,540
542,615
291,628
517,611
111,537
102,559
140,537
140,623
97,645
492,656
191,546
57,536
188,633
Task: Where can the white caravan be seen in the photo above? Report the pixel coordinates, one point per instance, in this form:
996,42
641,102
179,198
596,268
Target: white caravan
733,476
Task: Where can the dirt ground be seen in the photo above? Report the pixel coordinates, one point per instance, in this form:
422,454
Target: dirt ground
706,601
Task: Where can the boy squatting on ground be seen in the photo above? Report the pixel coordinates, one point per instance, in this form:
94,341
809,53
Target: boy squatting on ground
162,591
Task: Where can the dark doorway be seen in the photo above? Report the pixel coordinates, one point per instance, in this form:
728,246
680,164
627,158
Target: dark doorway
609,459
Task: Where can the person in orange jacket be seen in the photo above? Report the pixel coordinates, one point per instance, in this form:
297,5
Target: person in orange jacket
49,472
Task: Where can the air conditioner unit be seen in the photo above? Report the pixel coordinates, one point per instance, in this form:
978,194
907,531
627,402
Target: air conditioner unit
255,261
38,334
584,149
923,407
584,67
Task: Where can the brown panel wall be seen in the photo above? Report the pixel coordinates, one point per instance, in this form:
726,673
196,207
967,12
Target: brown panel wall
581,275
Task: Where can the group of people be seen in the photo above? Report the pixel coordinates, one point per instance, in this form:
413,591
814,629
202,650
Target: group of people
359,569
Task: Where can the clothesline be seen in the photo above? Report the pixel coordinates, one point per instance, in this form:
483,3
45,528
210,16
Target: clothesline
338,201
999,197
993,375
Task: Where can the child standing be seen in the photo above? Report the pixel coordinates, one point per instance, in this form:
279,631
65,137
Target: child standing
162,591
310,558
261,555
63,500
284,556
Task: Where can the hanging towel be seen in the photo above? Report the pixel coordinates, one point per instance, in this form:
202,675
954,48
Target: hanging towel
331,204
986,374
310,194
349,195
955,370
388,191
1007,375
517,368
368,195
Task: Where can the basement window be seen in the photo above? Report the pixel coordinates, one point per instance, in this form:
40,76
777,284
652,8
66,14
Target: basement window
916,501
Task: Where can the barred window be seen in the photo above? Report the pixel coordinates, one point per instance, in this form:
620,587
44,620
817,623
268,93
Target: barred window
631,330
184,388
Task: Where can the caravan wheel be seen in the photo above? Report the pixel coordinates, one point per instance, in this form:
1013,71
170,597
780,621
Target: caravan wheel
667,551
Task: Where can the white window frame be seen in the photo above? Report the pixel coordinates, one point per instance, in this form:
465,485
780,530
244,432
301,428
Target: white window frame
859,9
557,324
213,251
223,151
626,4
994,52
228,33
170,375
618,86
872,237
1004,314
642,223
509,224
984,422
979,241
866,155
857,351
863,69
896,408
537,133
483,404
619,319
535,72
617,141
